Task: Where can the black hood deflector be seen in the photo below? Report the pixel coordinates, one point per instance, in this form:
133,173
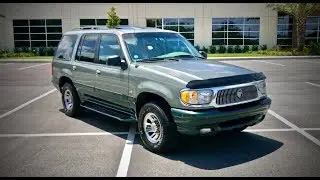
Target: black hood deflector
226,81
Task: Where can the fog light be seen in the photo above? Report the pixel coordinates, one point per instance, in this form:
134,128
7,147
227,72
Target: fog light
205,130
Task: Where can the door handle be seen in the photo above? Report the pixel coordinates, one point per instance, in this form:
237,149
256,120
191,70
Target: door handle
98,71
74,67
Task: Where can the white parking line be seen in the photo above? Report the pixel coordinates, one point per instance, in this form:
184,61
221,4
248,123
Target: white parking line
33,66
126,153
63,134
311,129
313,84
269,62
304,133
27,103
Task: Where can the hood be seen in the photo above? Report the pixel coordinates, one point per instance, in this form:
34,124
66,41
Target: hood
189,70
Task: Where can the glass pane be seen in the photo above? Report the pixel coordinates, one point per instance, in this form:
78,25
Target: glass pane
186,28
170,21
285,20
54,29
312,20
21,37
251,41
124,22
88,48
53,22
151,23
311,34
37,29
21,30
286,34
191,41
38,44
64,51
109,46
87,22
284,27
186,21
219,20
38,37
53,43
219,41
235,41
172,28
219,35
236,20
219,27
284,41
20,22
37,22
252,21
311,27
235,34
251,27
188,35
235,27
54,36
251,35
21,43
101,22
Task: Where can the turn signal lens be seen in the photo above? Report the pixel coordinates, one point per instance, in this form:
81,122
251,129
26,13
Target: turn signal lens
196,97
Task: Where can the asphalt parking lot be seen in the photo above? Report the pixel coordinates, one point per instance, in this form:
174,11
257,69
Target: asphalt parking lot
37,139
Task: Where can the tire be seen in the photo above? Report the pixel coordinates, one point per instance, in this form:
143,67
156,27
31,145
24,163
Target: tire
239,129
168,137
74,109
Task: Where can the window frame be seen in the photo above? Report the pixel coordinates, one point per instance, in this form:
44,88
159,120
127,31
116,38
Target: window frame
80,48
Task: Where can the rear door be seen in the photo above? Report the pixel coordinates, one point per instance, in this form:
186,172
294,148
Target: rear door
84,69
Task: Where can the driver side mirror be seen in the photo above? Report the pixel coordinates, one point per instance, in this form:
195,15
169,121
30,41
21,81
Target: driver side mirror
117,61
204,54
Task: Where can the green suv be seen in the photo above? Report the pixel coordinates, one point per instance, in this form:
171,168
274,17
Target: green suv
157,78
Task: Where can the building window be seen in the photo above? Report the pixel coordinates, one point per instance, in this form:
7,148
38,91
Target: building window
235,31
37,32
99,22
312,29
284,30
185,26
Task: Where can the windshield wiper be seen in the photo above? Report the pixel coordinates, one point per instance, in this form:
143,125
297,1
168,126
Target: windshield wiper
153,59
188,55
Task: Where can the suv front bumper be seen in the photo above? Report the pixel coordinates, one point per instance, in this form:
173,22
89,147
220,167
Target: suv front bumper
190,122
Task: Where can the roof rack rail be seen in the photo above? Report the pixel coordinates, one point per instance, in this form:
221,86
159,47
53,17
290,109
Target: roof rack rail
89,28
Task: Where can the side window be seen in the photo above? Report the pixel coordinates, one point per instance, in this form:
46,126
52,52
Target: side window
66,46
109,46
86,52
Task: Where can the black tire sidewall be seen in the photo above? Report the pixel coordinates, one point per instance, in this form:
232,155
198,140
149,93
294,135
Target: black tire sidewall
76,104
168,129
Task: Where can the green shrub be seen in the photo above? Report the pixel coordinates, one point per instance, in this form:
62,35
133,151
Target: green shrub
222,49
314,48
35,51
254,48
263,47
237,49
197,47
212,49
204,49
230,49
18,50
50,51
42,51
25,49
246,48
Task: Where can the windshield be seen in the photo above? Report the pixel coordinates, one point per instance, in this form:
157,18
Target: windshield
158,45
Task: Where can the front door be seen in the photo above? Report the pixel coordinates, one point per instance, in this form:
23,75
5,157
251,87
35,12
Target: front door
111,82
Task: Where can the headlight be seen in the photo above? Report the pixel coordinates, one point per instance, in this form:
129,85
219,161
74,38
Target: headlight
196,97
262,87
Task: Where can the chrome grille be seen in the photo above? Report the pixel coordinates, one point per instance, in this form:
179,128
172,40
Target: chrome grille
229,96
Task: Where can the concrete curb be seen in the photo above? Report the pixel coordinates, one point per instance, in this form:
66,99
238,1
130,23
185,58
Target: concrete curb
25,61
265,57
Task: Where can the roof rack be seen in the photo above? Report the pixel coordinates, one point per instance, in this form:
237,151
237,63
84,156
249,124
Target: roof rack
104,27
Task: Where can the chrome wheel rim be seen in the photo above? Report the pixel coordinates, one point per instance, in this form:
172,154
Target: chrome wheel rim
67,98
152,128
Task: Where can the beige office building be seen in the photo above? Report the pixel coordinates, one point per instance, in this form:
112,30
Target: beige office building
42,25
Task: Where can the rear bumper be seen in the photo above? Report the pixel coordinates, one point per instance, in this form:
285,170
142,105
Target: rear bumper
220,119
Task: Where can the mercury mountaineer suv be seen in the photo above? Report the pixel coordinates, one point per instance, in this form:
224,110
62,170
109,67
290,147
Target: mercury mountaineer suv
158,79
